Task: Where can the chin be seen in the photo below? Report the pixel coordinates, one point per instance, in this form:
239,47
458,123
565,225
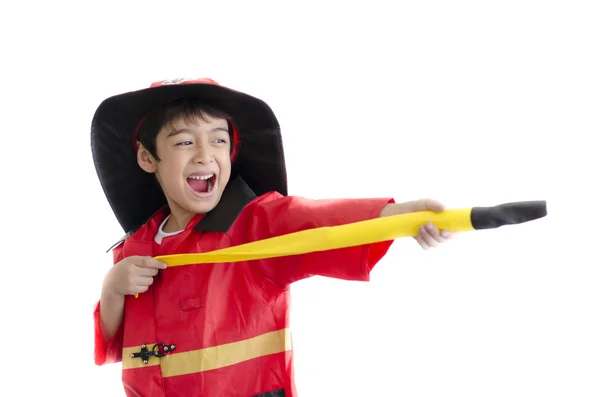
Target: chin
202,208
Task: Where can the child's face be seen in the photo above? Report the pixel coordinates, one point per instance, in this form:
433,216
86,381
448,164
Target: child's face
194,166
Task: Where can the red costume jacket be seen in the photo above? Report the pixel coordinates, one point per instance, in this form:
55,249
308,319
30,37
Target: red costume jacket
225,326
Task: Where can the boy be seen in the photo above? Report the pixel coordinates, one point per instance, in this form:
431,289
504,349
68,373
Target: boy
190,166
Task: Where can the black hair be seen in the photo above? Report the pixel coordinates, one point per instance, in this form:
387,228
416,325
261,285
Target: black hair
187,108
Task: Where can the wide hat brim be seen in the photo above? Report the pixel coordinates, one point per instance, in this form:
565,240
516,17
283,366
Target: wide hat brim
133,194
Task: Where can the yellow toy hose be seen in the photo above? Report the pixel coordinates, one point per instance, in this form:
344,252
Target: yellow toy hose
368,232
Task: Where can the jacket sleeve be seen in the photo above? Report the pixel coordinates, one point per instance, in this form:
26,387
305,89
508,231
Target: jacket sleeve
275,215
107,351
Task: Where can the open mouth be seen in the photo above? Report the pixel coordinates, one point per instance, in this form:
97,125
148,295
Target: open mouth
202,185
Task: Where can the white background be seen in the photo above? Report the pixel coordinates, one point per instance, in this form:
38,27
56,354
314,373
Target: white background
473,103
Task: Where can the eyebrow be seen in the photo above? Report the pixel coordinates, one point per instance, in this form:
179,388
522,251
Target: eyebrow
184,130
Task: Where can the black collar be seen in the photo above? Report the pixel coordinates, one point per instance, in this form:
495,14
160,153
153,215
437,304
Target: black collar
236,196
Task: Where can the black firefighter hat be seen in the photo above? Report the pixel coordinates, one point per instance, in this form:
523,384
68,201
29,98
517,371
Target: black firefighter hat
134,194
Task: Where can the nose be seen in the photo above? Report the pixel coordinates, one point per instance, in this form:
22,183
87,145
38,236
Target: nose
203,155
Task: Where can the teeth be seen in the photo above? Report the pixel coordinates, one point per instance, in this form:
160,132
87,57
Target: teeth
201,177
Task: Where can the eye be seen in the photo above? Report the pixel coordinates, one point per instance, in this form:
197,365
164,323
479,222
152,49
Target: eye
184,143
220,141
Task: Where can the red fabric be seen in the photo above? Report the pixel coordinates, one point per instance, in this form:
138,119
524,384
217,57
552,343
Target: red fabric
183,81
199,306
108,350
281,215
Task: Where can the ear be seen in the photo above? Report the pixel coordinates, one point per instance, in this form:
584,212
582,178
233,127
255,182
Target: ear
145,160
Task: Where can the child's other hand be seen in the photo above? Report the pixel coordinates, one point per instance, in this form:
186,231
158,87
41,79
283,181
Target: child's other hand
132,275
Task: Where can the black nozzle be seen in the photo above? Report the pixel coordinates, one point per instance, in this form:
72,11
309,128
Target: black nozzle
507,214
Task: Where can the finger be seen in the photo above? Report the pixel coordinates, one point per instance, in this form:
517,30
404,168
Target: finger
427,237
434,232
145,271
422,242
151,263
138,289
144,281
433,205
425,205
447,235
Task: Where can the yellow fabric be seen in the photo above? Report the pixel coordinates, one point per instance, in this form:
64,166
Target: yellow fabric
328,238
183,363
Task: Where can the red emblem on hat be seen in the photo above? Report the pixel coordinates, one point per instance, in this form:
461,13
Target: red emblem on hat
184,80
